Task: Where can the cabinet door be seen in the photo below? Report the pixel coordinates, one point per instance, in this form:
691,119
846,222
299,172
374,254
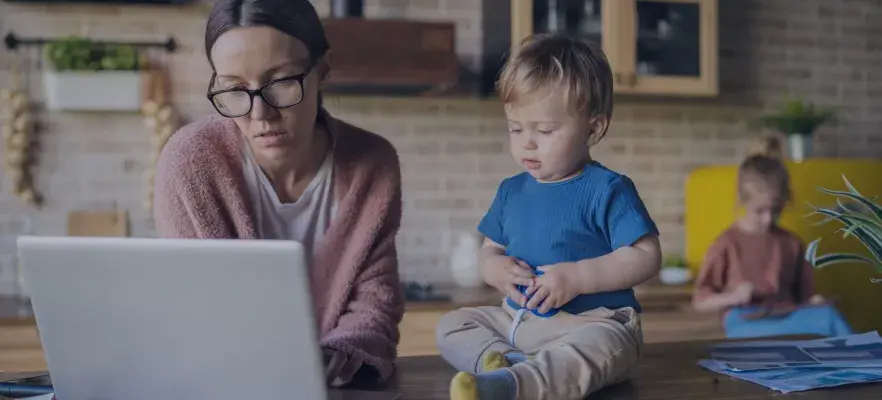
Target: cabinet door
668,47
589,19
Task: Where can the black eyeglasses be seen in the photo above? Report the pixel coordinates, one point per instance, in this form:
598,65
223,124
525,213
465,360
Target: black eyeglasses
279,93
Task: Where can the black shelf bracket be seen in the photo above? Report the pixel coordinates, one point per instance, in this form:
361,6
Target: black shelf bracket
13,42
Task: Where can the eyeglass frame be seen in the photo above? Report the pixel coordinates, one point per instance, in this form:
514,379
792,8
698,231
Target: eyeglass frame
252,93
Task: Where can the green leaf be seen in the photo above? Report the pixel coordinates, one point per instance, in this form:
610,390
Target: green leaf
798,117
811,250
876,210
869,237
867,231
835,258
80,54
866,227
873,242
840,258
850,187
860,222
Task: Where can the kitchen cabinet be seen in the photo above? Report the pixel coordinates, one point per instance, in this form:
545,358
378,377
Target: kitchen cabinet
655,47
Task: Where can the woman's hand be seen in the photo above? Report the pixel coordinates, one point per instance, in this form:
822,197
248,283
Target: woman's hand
504,273
556,286
340,368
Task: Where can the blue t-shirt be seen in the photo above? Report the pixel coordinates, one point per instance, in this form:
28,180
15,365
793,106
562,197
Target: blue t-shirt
587,216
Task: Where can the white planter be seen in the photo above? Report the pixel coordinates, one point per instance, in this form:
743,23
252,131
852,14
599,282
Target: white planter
675,275
93,90
464,261
799,146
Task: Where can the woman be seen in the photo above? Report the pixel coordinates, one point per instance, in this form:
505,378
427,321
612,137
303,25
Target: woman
275,165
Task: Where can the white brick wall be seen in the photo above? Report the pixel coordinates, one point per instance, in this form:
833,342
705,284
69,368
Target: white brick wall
454,152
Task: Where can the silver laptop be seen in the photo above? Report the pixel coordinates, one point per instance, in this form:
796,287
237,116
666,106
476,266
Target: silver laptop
146,319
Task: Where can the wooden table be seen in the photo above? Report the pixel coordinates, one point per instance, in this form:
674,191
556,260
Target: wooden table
668,372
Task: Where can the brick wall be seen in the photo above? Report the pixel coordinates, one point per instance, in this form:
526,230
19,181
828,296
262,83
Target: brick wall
454,151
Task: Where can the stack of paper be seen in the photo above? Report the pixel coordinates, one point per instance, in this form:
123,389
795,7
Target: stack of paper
791,366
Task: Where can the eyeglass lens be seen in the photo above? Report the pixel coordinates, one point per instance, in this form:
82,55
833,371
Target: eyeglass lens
283,93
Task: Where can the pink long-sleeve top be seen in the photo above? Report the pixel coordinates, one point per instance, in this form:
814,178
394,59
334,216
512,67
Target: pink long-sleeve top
200,192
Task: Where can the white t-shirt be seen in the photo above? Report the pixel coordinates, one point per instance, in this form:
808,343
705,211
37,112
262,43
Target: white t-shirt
304,220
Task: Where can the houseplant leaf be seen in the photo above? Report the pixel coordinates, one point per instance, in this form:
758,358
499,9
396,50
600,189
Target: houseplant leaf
875,209
855,226
798,117
81,54
90,76
840,258
865,227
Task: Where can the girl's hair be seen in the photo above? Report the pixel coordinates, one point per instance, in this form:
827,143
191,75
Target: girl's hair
296,18
763,165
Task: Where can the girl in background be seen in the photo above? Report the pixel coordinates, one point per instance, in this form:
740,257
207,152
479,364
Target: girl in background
756,272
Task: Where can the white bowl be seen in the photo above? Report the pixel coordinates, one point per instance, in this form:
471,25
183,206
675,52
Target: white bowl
675,275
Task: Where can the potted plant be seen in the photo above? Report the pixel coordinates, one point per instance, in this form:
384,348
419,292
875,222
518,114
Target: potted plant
92,76
675,271
862,221
799,120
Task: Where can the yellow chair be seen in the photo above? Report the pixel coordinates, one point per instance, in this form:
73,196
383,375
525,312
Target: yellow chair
711,207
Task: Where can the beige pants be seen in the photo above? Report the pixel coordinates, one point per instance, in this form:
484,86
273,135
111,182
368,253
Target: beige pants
572,355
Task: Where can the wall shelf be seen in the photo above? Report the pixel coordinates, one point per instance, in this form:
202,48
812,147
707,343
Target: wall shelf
13,41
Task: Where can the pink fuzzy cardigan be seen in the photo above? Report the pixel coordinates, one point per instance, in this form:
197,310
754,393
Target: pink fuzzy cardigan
200,192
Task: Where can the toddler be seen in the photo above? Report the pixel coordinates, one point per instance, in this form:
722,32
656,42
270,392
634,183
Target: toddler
755,272
566,241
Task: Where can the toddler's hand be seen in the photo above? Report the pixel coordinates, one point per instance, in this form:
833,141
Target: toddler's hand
553,288
817,300
504,273
742,294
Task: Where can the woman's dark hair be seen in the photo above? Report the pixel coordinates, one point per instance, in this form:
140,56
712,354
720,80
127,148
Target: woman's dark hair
296,18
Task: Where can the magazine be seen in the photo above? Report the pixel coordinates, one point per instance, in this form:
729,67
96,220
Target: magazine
789,366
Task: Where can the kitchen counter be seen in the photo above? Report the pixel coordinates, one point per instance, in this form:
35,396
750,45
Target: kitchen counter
667,317
653,296
15,309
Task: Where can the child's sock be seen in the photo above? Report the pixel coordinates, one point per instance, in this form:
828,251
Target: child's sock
494,360
496,385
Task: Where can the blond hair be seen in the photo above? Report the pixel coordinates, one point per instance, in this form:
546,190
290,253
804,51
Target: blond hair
764,165
544,61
